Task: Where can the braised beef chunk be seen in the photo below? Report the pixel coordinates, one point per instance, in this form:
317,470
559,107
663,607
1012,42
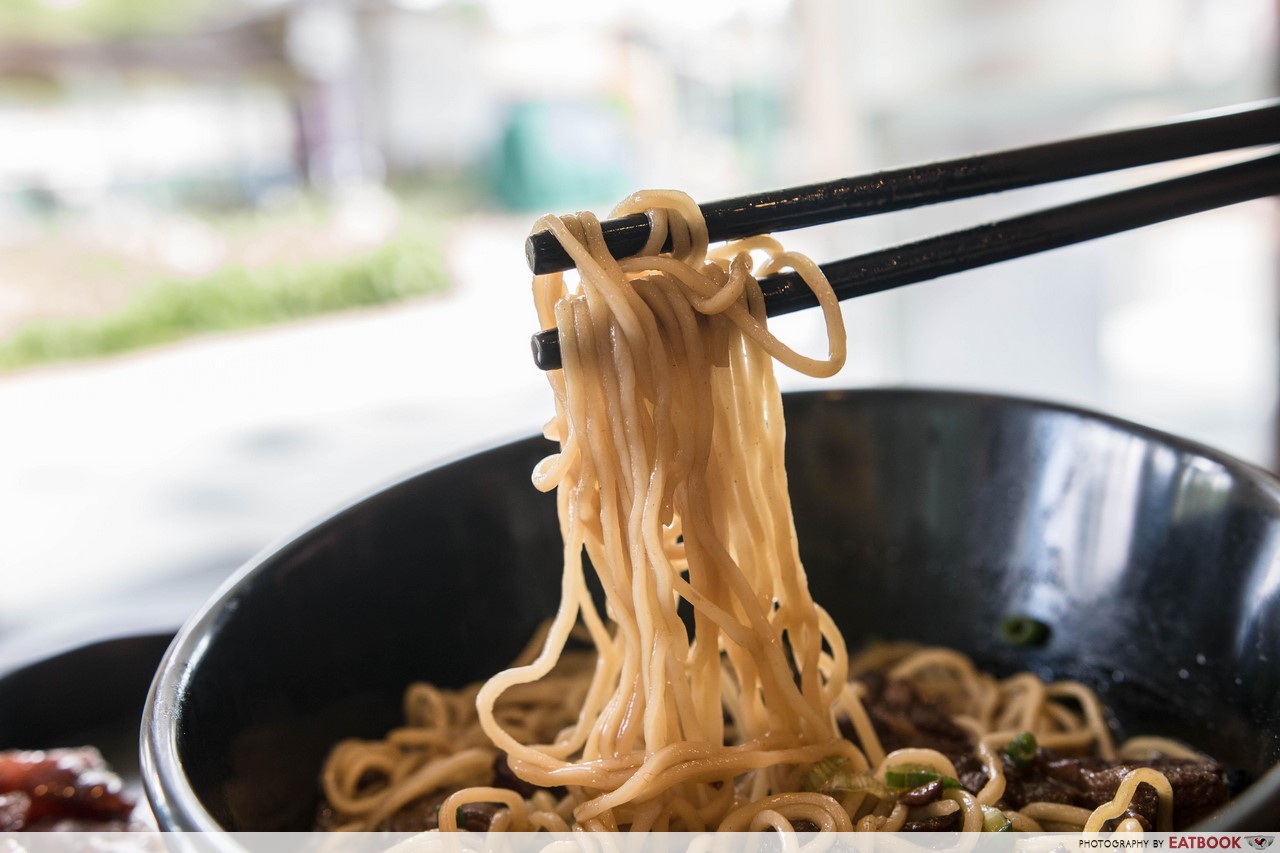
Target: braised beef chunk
477,817
1199,787
923,795
60,789
901,719
802,825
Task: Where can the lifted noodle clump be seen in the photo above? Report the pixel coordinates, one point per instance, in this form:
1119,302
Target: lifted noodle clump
671,476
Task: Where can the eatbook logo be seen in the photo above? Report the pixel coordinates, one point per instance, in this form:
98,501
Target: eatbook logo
1261,842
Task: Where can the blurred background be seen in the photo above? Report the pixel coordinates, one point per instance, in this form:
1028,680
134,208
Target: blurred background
260,257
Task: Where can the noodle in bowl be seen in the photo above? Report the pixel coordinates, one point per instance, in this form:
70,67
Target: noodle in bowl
927,516
715,693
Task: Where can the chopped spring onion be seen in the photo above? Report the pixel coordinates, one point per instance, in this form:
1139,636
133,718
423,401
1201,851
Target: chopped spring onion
994,820
1022,749
904,777
821,772
1024,631
835,775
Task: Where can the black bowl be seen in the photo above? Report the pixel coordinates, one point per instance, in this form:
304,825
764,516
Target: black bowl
922,515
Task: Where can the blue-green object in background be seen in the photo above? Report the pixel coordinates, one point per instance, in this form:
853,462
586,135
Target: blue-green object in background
561,155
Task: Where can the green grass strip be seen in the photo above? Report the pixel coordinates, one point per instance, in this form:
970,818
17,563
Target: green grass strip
232,299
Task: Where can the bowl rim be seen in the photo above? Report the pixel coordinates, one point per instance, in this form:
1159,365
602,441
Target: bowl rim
178,808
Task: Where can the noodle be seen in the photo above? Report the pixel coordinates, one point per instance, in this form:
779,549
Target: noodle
670,478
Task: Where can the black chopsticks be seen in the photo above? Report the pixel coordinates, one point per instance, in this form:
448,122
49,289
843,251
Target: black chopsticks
955,179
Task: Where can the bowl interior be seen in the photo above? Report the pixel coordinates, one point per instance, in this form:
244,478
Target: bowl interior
921,515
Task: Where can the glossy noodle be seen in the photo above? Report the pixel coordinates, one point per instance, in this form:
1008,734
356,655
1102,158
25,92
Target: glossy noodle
670,478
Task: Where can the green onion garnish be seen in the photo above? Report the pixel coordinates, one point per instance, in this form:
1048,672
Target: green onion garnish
994,820
1022,749
835,775
904,777
1024,631
821,772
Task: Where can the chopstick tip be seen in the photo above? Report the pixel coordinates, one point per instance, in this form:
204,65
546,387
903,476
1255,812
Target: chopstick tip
546,349
531,252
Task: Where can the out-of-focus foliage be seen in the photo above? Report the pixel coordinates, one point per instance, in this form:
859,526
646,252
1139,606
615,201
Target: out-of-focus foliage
235,298
86,19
